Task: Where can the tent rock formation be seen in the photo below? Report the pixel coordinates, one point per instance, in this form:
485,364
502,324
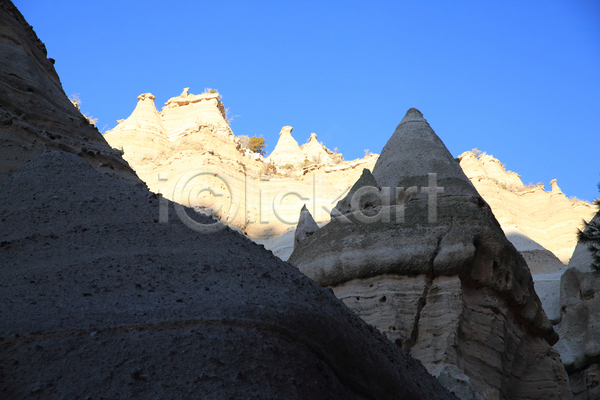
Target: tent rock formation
455,293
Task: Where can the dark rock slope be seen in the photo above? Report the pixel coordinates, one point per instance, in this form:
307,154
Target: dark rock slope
35,114
97,298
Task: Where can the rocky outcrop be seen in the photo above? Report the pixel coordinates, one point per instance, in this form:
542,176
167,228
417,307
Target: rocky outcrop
100,299
35,114
187,112
548,218
287,150
144,122
243,190
315,152
306,226
579,329
431,268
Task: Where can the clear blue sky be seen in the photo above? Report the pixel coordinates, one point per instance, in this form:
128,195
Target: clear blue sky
517,79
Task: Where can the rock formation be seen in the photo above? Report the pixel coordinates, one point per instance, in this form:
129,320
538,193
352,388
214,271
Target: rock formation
433,271
262,203
36,115
287,150
548,218
579,329
306,226
314,151
99,299
144,121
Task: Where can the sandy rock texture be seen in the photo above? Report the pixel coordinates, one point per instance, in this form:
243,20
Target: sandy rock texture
315,152
204,166
35,114
99,299
287,150
579,329
548,218
442,282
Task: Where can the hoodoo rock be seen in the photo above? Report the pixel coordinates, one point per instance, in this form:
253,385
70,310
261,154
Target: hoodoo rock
35,114
431,268
287,150
579,329
100,300
314,151
146,122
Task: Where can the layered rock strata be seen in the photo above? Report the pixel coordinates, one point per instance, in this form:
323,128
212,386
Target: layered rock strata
35,114
579,329
99,299
287,150
548,218
431,268
200,167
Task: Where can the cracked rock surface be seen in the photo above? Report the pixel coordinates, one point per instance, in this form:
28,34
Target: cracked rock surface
454,292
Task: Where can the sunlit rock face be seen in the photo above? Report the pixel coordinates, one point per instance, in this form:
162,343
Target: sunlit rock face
579,329
315,152
431,268
287,150
548,218
35,114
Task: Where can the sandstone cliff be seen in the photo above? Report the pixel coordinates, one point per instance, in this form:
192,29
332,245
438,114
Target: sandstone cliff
548,218
36,115
198,162
445,285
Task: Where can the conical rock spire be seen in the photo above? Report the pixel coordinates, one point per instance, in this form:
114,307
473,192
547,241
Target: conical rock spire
287,150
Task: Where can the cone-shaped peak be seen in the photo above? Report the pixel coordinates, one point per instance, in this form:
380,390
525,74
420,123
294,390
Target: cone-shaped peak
306,226
413,115
144,119
413,152
315,152
344,206
287,150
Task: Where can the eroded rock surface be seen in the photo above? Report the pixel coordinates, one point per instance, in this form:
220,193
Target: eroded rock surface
99,299
442,281
548,218
287,150
35,114
579,329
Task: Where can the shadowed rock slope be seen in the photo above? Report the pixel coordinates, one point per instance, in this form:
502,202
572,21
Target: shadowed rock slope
579,328
35,114
99,299
453,291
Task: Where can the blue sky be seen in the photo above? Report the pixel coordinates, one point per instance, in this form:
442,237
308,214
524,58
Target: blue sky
519,80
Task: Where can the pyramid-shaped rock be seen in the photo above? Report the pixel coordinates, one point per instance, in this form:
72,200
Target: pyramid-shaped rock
287,150
431,268
142,135
99,299
314,151
306,226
